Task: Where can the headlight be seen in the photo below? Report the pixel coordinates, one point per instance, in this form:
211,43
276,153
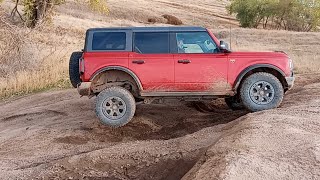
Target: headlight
290,64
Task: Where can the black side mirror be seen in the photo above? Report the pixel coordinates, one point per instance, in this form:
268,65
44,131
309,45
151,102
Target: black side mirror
224,47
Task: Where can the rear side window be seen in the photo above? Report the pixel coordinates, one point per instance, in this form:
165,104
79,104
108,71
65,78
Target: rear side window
109,41
151,43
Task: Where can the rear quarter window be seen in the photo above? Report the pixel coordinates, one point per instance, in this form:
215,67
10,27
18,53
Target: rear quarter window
109,41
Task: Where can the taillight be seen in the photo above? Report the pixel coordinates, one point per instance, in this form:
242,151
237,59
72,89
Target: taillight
81,65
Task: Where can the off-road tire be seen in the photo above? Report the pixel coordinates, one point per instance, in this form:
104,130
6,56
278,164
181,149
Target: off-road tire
250,82
124,96
74,74
234,103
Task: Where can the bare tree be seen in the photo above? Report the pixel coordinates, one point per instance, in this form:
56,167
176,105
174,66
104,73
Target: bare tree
36,11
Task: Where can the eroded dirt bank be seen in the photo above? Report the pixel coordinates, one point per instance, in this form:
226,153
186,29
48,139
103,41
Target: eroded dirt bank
277,144
56,135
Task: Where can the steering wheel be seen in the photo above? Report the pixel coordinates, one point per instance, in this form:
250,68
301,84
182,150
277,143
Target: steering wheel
213,50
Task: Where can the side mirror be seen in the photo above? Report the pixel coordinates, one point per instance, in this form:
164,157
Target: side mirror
224,47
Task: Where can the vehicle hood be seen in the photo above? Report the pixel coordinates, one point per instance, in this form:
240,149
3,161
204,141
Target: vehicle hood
263,55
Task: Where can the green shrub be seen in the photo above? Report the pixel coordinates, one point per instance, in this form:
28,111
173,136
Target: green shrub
296,15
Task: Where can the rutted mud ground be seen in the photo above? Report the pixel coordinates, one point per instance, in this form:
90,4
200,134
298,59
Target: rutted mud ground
56,135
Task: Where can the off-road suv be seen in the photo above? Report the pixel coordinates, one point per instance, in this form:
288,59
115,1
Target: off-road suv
123,66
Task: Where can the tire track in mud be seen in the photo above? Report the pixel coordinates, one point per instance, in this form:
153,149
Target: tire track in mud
33,165
31,115
70,134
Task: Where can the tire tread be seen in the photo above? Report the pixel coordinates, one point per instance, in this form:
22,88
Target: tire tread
130,103
245,87
74,74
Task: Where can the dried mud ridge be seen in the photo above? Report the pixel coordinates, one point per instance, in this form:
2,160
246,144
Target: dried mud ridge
56,135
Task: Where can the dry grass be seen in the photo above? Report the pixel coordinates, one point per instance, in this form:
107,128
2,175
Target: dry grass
39,60
33,60
208,13
50,70
302,47
12,47
52,73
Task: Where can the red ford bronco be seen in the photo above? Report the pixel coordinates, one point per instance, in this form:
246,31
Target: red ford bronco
122,66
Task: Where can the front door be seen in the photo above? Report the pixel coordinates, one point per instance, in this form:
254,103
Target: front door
152,61
199,64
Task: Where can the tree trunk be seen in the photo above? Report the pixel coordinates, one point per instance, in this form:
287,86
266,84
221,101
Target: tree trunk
39,11
265,23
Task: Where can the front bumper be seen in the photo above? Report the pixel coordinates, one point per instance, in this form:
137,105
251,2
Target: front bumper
84,88
290,81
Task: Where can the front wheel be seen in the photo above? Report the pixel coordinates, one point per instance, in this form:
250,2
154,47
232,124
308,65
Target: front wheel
115,106
261,91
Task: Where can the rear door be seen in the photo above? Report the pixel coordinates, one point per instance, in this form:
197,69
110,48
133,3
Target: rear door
199,65
152,61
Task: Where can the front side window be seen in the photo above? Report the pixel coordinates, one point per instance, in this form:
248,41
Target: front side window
195,42
151,42
109,41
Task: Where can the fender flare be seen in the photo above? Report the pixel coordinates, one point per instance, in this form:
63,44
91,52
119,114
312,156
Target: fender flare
250,68
119,68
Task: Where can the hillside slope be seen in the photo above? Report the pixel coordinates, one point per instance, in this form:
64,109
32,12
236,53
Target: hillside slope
208,13
55,134
43,53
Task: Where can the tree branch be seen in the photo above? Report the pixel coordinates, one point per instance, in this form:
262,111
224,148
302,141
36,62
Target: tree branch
15,10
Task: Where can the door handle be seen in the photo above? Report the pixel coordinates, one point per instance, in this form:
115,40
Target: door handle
138,61
184,61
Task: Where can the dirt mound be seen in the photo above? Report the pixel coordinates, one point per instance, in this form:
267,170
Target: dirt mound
172,19
162,142
165,19
283,143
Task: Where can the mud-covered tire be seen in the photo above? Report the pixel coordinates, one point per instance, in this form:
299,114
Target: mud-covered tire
109,99
74,74
270,98
234,103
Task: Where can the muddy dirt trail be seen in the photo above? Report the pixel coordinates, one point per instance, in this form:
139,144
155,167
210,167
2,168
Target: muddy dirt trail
56,135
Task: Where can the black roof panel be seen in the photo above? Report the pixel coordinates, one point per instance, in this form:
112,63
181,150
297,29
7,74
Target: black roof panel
151,29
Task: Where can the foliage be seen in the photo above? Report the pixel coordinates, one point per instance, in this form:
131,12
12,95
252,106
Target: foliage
29,12
297,15
99,6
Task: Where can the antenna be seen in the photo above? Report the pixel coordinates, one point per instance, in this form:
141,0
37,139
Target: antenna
230,38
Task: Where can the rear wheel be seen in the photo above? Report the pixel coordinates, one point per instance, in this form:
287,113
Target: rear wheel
261,91
115,106
74,74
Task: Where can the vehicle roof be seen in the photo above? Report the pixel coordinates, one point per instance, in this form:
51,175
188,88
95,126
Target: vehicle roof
151,29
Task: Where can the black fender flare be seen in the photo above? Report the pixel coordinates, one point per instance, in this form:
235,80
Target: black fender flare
250,68
119,68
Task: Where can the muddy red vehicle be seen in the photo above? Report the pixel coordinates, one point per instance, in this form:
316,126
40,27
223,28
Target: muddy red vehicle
123,66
